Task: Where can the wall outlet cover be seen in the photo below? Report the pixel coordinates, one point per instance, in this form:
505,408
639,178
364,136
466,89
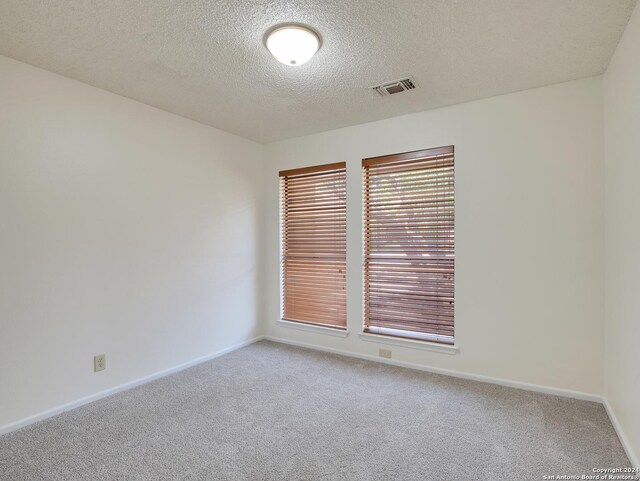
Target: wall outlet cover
99,362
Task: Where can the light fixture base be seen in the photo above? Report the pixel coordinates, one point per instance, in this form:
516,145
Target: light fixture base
292,44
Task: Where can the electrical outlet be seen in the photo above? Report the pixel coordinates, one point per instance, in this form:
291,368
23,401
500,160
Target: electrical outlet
385,353
99,362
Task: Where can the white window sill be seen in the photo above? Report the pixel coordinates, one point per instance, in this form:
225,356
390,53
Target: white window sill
312,328
414,344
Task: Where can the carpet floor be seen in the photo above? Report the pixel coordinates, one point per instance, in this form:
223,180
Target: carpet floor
276,412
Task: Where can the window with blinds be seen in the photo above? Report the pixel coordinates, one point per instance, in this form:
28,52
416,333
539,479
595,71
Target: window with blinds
409,245
314,245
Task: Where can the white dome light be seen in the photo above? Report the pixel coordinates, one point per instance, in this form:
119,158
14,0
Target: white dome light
293,45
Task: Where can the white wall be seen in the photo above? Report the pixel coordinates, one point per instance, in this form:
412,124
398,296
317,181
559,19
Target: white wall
134,232
124,230
622,173
529,231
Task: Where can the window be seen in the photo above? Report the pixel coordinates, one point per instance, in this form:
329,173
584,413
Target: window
409,242
314,245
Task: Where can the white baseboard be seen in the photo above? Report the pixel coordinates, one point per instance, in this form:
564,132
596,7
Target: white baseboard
635,462
633,458
475,377
122,387
448,372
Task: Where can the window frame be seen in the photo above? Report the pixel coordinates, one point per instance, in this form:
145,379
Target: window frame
399,336
305,324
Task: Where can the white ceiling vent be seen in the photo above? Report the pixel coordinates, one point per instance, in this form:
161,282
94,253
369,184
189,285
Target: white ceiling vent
395,86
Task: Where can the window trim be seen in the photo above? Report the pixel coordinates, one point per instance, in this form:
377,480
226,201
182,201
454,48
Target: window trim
316,328
411,338
422,345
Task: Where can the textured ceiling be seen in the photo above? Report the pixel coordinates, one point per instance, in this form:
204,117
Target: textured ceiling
205,59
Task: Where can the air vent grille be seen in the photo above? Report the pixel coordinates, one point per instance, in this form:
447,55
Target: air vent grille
395,86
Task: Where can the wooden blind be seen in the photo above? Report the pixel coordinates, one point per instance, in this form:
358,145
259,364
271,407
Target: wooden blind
314,245
409,242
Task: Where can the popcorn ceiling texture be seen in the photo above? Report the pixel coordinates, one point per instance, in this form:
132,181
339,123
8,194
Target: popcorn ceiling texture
205,60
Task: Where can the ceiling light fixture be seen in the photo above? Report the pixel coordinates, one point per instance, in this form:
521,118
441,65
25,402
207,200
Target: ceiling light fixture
293,45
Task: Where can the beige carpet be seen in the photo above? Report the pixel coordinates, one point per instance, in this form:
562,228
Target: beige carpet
275,412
